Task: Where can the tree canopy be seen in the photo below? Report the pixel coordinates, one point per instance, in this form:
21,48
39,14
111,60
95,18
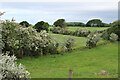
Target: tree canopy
60,23
75,24
24,24
41,26
94,23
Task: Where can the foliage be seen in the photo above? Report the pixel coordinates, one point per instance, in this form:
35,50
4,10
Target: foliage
113,37
41,26
75,24
94,23
53,48
63,31
60,23
10,70
115,28
93,38
24,24
81,33
69,44
24,41
105,35
105,25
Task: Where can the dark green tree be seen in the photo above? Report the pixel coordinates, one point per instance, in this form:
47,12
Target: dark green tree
60,23
75,24
94,23
105,25
24,24
41,26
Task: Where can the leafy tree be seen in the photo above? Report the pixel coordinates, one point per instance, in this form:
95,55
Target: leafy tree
60,23
41,26
94,23
24,24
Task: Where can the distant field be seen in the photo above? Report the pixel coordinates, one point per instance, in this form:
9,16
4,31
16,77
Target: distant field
88,28
84,63
80,42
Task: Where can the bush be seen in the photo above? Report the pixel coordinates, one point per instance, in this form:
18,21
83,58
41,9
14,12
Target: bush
105,35
24,41
64,31
69,44
115,28
113,37
57,30
53,48
81,33
10,70
93,38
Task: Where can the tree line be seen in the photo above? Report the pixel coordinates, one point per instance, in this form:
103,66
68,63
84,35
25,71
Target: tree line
62,23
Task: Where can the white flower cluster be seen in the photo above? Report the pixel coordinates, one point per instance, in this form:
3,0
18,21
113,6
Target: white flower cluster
113,37
9,69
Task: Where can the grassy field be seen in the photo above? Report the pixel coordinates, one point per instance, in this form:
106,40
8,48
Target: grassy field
87,28
79,41
84,63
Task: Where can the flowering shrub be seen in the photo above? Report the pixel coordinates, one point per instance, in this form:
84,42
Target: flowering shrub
82,33
24,41
10,70
64,31
113,37
69,44
93,38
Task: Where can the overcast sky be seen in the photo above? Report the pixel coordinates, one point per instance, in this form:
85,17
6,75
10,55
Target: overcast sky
51,10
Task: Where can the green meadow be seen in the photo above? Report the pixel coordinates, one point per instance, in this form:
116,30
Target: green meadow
84,62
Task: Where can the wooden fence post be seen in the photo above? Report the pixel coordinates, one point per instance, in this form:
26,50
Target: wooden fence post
70,74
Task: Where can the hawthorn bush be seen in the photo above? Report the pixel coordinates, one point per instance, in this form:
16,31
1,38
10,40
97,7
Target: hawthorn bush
64,31
10,70
24,41
69,44
81,33
115,28
113,37
92,40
